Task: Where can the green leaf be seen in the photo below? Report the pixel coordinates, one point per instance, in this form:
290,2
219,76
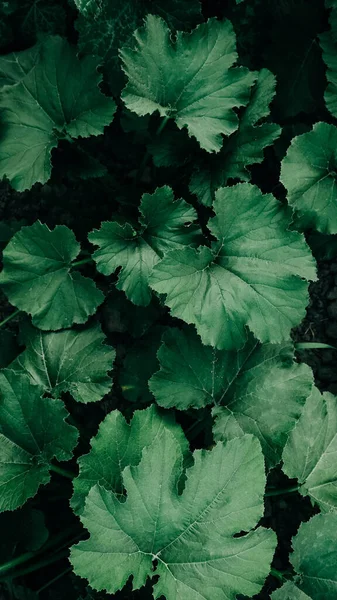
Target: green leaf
250,277
190,536
139,364
289,591
121,444
33,432
315,557
37,277
15,66
164,224
23,530
68,361
244,148
310,454
104,28
181,80
329,48
259,389
46,105
309,172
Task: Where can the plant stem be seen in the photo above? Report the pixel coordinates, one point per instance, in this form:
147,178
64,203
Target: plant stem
277,574
61,471
10,317
162,125
36,566
313,346
290,490
11,564
46,585
84,261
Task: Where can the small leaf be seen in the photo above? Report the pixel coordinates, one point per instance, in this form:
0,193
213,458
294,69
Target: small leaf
190,536
309,172
68,361
181,80
121,444
46,105
243,148
37,277
310,454
164,224
33,432
315,557
250,277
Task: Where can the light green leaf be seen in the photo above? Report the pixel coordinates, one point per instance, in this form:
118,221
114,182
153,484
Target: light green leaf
315,557
37,277
33,431
46,105
289,591
309,172
252,276
190,536
164,224
259,389
181,80
68,361
244,148
310,454
121,444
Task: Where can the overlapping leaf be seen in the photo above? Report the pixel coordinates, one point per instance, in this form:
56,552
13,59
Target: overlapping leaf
259,389
244,148
190,536
310,454
252,276
309,173
164,224
289,591
45,105
315,557
68,361
38,279
119,444
191,80
33,431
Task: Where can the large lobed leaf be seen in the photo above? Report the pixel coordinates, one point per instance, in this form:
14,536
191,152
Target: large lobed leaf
259,389
38,279
33,431
252,276
190,80
191,536
58,97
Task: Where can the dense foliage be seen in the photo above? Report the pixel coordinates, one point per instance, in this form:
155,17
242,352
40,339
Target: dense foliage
168,185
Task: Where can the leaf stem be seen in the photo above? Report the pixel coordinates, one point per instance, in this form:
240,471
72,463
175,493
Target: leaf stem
83,261
51,581
10,317
62,471
162,125
36,566
11,564
277,574
312,346
290,490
